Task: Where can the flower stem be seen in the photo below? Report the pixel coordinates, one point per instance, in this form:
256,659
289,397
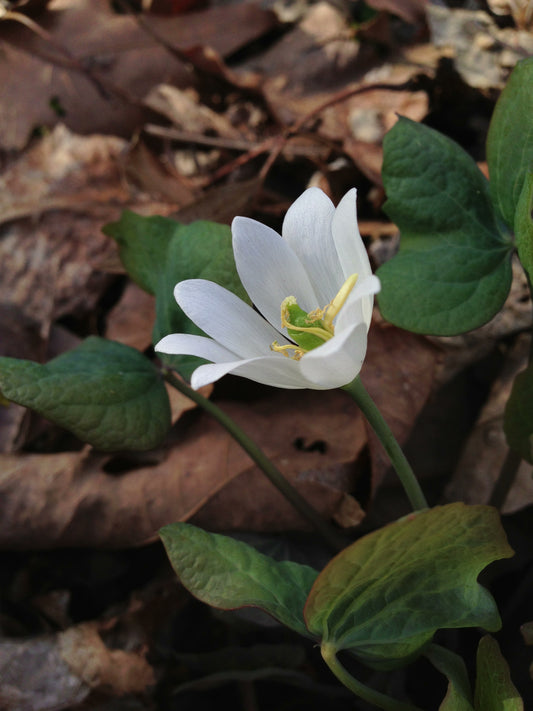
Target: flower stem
328,533
387,439
506,479
382,701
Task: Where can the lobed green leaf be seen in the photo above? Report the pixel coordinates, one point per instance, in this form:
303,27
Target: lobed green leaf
106,393
453,270
523,224
510,141
459,694
494,689
385,596
229,574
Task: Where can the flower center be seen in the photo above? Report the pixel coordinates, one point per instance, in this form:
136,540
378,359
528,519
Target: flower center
310,330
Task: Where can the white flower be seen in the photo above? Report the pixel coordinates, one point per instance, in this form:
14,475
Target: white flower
321,263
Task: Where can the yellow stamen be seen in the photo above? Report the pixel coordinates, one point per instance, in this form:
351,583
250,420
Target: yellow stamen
298,352
312,317
333,308
324,335
320,320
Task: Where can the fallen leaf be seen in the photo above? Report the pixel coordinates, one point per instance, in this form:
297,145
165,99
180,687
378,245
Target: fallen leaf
107,63
314,438
184,110
222,202
366,118
52,264
319,59
114,671
19,338
131,320
486,447
483,53
53,500
34,676
147,172
60,670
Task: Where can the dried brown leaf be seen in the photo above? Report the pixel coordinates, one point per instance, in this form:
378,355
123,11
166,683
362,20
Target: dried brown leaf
100,64
222,202
113,671
55,500
486,447
51,266
36,678
184,110
144,170
59,671
364,120
131,320
483,53
70,499
19,338
313,437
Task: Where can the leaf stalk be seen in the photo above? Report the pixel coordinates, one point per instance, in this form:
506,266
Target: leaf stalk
371,696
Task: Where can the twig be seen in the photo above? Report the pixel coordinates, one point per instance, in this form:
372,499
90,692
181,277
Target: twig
276,144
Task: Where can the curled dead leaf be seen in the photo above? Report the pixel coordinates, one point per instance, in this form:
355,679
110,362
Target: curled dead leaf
114,671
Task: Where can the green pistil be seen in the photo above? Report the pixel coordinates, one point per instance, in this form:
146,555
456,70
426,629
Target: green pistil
313,329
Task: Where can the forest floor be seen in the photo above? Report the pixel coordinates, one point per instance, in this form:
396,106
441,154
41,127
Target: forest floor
207,111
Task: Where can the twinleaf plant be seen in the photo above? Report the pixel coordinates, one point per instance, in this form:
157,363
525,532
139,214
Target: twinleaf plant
381,599
459,231
293,311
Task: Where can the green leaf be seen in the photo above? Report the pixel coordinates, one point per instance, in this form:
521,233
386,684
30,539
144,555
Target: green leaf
523,224
106,393
229,574
158,252
384,596
453,270
510,141
459,694
494,689
143,243
518,416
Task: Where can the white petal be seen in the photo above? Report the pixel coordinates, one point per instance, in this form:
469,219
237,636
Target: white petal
338,361
350,248
276,370
307,228
190,344
358,306
269,269
210,373
225,317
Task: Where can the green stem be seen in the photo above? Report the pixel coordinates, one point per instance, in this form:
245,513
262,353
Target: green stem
505,479
382,701
387,439
330,535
